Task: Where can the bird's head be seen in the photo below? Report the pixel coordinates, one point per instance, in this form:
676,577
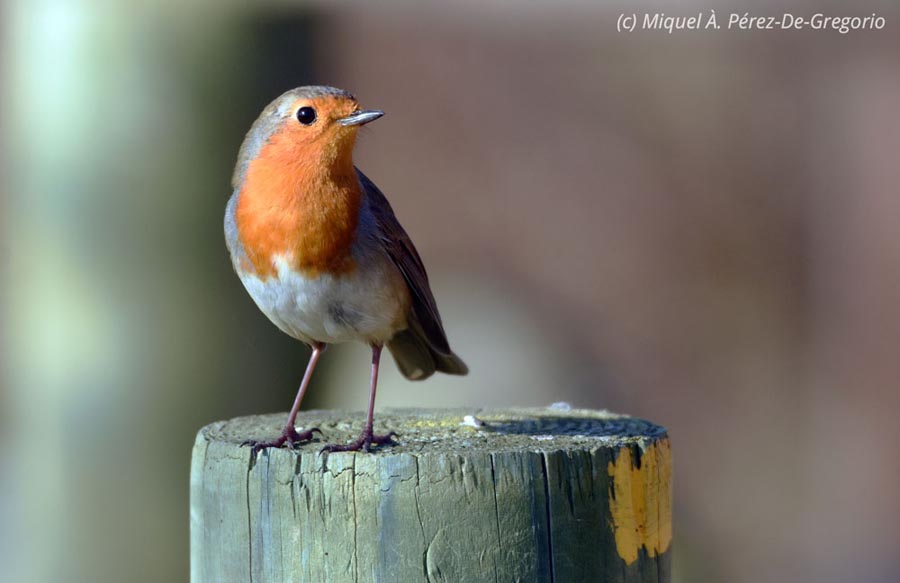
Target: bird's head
313,127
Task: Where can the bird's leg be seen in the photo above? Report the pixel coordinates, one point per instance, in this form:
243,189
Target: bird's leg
290,435
366,439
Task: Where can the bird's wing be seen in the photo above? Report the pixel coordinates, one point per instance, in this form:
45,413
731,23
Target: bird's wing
403,253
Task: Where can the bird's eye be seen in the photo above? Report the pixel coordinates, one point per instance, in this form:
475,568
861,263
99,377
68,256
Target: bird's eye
306,115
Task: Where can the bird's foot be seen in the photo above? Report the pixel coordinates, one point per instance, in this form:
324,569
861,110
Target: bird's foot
289,436
364,442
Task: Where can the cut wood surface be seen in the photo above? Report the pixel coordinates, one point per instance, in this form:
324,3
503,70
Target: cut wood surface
533,495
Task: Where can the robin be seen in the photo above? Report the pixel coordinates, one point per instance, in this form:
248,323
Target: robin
317,246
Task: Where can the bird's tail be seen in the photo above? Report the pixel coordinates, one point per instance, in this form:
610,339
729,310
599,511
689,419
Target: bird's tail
417,359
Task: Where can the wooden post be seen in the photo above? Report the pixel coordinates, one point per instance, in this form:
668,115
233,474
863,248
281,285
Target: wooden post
533,495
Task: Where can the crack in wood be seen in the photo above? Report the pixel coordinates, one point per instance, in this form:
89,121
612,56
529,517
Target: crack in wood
549,516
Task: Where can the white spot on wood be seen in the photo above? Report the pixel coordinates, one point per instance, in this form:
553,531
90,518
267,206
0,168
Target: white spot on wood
472,421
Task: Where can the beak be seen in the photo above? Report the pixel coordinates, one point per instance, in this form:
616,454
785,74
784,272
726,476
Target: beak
359,118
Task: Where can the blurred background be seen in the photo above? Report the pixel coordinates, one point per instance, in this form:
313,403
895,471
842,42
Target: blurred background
698,228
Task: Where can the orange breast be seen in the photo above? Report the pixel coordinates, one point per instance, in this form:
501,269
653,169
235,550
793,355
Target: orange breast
299,203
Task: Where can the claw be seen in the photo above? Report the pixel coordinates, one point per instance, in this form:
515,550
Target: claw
289,436
364,442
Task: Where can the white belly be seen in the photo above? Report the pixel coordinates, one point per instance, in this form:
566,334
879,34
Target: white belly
367,305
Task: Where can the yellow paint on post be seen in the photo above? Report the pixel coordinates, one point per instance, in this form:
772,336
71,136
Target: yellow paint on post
641,501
